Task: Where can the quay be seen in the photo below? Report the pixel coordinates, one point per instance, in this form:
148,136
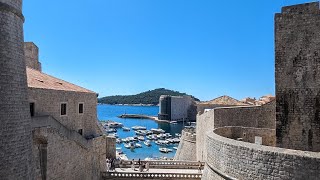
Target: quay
141,116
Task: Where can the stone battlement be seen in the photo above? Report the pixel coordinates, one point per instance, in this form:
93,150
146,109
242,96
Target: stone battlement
308,8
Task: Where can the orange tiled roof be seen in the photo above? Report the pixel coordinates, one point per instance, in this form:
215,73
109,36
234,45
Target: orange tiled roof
37,79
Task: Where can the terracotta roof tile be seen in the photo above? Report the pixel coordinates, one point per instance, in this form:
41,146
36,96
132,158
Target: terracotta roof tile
37,79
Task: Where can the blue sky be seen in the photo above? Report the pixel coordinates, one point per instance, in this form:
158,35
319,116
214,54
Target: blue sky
205,48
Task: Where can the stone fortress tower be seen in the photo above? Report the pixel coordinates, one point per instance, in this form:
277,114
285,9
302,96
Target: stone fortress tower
298,77
15,128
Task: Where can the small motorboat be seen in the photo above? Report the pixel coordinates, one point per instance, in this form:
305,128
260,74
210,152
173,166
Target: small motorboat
176,140
115,125
165,150
111,130
177,134
147,143
118,141
157,131
175,148
125,129
141,132
141,138
139,128
173,122
137,145
127,145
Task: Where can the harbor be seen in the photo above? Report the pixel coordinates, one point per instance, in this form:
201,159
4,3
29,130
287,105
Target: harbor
139,138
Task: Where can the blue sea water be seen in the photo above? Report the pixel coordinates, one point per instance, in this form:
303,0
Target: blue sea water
110,112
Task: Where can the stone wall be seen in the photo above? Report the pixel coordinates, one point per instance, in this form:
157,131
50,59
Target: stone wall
48,102
187,146
15,129
231,159
248,134
111,147
31,52
247,116
64,158
297,77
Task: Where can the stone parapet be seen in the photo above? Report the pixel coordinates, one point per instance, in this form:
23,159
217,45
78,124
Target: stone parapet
231,159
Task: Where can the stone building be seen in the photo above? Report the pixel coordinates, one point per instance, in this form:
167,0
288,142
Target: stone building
65,126
15,127
278,140
177,108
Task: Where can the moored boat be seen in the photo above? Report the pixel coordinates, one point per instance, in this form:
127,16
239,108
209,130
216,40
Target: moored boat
147,143
139,128
125,129
137,145
141,138
157,131
165,150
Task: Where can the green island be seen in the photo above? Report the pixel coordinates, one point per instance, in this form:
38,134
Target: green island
150,97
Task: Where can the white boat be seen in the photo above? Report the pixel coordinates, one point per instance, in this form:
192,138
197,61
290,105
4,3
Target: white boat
141,138
125,129
147,143
111,130
175,148
167,135
157,131
127,145
177,134
165,150
162,142
115,125
176,140
118,141
141,132
173,122
139,128
137,145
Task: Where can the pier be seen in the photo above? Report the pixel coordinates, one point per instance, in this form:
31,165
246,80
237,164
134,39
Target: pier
140,116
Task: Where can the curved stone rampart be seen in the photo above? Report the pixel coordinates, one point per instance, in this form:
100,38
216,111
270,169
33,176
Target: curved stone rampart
231,159
248,134
247,116
187,146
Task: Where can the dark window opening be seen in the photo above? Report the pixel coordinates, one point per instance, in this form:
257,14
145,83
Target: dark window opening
80,131
63,109
32,109
81,108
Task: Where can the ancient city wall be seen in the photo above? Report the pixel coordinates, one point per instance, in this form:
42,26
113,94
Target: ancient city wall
63,158
248,134
231,159
15,128
297,31
187,146
48,102
247,116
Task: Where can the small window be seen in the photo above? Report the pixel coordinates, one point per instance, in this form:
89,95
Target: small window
80,131
63,109
32,109
80,108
